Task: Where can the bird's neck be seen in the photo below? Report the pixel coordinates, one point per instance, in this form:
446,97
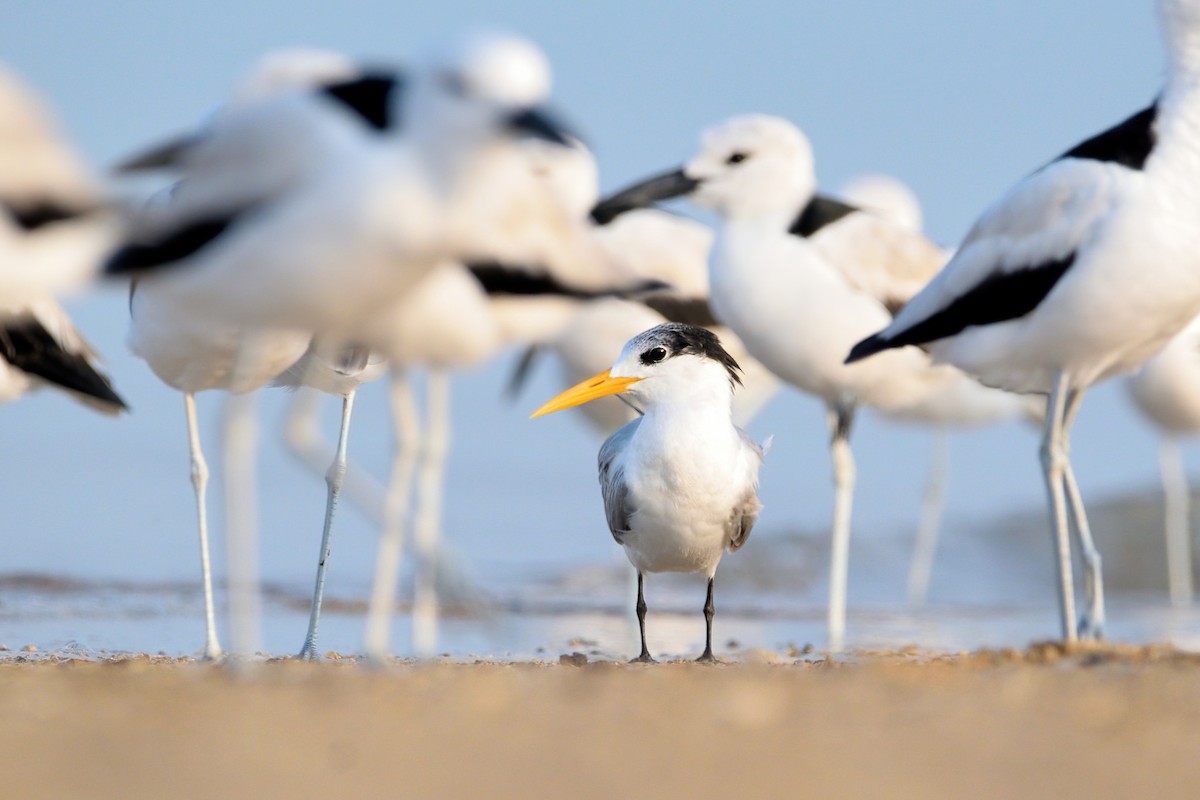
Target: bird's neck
1178,125
706,413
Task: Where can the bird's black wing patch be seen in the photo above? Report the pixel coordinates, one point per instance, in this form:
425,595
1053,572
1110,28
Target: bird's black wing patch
1128,143
138,257
819,212
503,279
31,217
689,311
370,97
999,298
27,345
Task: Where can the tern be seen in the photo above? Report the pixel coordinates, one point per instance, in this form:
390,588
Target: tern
680,483
800,277
1080,272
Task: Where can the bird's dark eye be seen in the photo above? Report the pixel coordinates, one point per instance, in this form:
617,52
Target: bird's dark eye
736,158
654,355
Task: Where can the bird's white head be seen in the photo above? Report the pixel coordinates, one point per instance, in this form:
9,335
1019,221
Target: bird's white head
481,85
751,165
887,197
669,364
569,172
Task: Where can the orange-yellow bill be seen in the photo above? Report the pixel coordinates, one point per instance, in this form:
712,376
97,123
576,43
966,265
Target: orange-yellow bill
594,387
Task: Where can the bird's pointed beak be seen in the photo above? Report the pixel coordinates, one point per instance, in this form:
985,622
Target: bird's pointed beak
593,388
541,124
641,195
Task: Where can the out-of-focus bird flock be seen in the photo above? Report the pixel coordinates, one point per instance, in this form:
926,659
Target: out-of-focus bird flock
332,224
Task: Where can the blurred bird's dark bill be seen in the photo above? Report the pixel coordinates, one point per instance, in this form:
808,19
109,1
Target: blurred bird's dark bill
642,195
593,388
539,123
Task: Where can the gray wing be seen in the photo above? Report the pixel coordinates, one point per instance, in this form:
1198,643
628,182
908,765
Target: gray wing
617,506
745,512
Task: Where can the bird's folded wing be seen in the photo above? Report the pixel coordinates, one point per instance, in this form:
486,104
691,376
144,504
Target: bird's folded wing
618,507
1019,248
880,258
745,512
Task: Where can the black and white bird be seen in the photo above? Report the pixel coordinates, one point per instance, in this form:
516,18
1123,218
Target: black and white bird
1166,390
680,483
55,221
192,350
309,209
313,208
800,277
194,353
55,225
1083,270
39,347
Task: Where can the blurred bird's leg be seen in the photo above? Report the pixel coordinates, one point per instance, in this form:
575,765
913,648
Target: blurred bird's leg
920,569
241,537
841,418
212,647
427,530
333,481
1177,511
644,657
391,542
707,656
1054,466
303,437
1091,626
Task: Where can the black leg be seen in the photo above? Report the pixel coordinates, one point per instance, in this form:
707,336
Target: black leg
645,657
707,656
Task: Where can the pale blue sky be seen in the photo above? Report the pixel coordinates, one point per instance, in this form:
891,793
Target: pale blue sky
957,99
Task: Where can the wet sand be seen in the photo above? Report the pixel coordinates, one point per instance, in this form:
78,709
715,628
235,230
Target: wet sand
1112,722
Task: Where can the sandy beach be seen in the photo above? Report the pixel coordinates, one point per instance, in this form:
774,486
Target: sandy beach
1045,722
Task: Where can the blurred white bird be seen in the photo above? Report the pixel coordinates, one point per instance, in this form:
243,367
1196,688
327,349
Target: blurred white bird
54,228
680,483
296,212
800,277
1166,389
192,350
55,222
191,353
1082,271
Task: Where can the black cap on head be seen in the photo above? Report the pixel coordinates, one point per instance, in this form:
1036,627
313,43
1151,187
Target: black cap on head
679,339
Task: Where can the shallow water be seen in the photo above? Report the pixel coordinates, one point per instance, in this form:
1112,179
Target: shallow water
769,597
